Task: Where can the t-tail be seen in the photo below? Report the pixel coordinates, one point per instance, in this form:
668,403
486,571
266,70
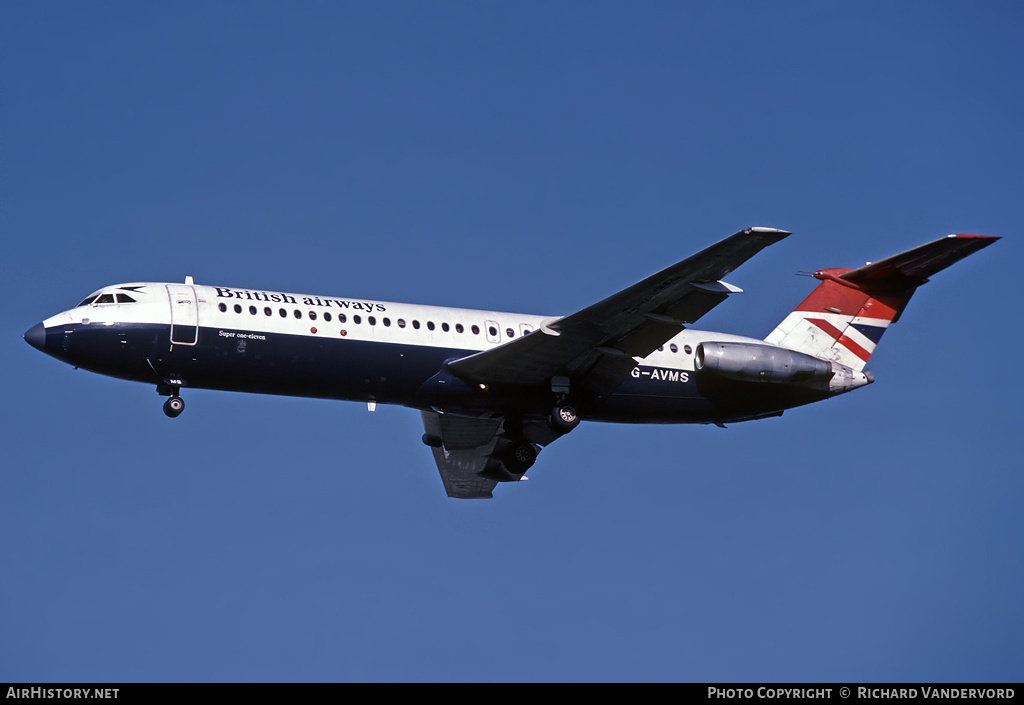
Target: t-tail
845,316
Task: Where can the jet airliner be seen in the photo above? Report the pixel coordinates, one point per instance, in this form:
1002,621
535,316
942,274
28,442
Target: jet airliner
494,388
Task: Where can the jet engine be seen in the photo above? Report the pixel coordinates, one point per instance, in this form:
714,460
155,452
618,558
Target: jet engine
751,362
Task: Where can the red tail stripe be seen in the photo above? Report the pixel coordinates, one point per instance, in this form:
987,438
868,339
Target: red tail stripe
851,301
854,348
827,327
843,340
829,295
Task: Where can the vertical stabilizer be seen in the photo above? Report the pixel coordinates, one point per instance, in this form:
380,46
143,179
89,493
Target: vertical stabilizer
845,316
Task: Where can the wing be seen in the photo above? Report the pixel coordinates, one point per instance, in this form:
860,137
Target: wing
463,449
595,347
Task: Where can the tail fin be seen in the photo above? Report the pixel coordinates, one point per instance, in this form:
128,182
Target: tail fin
845,316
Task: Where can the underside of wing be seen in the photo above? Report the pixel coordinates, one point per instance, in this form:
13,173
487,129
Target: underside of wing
474,454
597,347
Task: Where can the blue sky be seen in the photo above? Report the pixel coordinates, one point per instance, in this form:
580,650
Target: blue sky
528,157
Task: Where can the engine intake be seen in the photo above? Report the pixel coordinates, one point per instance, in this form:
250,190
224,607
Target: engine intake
751,362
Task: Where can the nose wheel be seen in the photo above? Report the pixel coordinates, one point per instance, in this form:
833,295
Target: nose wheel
174,406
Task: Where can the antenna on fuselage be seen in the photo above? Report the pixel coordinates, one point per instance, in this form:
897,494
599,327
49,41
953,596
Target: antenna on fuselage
188,279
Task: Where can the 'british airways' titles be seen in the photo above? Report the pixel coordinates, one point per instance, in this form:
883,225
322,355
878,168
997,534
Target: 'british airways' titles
278,298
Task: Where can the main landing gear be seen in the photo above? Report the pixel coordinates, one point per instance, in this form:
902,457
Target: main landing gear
519,456
564,418
174,404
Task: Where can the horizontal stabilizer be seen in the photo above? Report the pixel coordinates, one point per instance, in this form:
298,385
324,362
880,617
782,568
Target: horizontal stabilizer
913,267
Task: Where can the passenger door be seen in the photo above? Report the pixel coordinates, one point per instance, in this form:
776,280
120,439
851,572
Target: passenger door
184,314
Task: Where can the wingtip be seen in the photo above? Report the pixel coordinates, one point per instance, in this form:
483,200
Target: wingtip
771,234
760,229
972,236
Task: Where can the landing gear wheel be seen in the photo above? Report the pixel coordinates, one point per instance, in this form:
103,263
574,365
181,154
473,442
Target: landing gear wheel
520,457
174,406
564,418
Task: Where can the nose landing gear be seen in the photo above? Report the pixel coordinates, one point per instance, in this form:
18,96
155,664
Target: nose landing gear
174,404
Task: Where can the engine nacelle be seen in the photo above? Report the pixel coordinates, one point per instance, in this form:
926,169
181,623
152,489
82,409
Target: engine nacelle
751,362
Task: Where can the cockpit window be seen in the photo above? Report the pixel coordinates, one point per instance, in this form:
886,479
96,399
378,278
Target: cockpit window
107,299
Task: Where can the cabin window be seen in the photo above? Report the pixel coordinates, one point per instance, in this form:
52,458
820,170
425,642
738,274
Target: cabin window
459,328
687,349
476,330
673,347
387,322
510,333
327,315
125,299
401,323
492,331
357,319
430,325
312,315
416,325
298,313
445,327
342,318
222,306
372,320
283,313
267,311
238,308
252,310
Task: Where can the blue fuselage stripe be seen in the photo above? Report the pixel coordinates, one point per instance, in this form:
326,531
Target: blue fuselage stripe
358,370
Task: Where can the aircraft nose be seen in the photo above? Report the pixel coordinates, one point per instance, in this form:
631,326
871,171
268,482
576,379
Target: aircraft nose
36,336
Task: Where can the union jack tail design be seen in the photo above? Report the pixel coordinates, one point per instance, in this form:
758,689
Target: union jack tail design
845,316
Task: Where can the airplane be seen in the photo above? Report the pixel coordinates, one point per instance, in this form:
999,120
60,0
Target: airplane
494,388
